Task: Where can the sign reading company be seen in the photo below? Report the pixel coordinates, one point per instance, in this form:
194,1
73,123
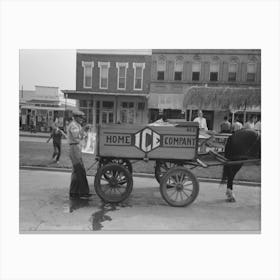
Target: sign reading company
147,140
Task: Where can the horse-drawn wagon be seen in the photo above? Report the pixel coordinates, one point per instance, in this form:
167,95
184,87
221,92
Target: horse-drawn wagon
173,148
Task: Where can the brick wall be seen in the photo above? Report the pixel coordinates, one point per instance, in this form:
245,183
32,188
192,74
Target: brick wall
241,57
113,72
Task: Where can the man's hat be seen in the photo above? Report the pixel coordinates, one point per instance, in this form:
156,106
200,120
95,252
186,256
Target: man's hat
78,113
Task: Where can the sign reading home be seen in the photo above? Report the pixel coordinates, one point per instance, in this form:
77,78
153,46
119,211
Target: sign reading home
117,139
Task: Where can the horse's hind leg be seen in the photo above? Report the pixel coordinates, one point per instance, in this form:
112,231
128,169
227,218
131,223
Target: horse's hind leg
232,170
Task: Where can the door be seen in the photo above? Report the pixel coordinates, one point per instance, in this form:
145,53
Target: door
107,113
107,116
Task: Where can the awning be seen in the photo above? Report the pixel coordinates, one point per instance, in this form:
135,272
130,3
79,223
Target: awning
76,94
165,101
222,98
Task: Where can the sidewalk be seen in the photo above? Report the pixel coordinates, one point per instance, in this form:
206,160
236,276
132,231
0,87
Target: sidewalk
37,134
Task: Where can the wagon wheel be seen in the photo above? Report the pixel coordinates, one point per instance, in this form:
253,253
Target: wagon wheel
113,183
179,187
163,166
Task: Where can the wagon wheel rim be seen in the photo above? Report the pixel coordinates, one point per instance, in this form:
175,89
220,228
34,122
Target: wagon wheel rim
179,187
113,183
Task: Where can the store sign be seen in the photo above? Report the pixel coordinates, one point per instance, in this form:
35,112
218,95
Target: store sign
147,140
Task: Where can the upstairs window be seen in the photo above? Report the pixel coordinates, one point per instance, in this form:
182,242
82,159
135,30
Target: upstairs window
104,73
122,68
161,67
138,75
232,70
178,70
251,72
196,68
214,72
87,81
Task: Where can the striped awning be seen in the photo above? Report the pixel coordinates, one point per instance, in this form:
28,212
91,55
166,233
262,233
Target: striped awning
222,98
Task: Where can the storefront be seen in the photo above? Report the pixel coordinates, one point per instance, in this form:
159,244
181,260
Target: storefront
218,102
42,119
105,108
169,104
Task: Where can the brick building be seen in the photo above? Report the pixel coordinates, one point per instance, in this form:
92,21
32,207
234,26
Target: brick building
208,75
112,85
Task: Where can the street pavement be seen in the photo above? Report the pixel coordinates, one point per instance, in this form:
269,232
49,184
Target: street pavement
45,207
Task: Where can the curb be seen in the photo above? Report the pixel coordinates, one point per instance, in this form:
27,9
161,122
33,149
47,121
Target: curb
35,136
143,175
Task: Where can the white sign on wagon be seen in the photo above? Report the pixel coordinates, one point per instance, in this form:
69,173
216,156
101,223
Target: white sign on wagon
88,143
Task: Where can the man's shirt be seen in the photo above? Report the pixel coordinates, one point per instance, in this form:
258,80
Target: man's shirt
202,123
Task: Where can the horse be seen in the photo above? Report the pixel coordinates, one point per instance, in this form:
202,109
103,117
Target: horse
241,145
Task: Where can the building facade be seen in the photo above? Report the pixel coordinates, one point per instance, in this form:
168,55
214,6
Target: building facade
112,86
43,106
175,72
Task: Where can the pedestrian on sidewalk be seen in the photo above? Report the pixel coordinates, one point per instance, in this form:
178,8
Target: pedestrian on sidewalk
250,123
56,135
79,185
237,125
225,125
201,121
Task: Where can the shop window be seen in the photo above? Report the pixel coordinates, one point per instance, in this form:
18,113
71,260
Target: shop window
97,112
138,75
122,69
178,70
160,75
196,68
127,112
251,72
232,70
141,106
108,104
174,114
214,72
154,115
86,106
87,65
104,73
161,67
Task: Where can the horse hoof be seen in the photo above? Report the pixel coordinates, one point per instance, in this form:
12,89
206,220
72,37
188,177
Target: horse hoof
231,199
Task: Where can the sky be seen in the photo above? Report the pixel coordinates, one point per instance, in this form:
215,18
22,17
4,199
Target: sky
47,68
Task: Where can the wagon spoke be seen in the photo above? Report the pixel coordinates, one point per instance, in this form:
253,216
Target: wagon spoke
190,190
182,178
185,184
181,196
185,193
117,189
176,195
174,191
